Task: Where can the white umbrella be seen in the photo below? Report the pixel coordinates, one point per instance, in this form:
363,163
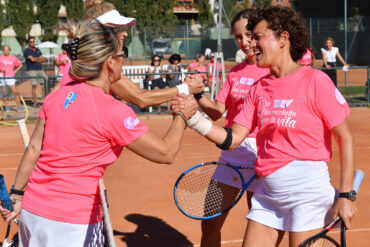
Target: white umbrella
50,45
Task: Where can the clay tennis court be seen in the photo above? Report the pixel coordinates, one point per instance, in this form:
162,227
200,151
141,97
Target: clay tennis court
142,210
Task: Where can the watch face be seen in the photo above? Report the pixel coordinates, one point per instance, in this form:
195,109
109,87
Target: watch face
353,195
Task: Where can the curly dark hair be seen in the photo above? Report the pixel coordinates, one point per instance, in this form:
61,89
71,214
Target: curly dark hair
282,19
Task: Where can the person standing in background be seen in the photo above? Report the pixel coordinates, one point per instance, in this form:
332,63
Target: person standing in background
7,64
62,60
307,58
329,55
34,58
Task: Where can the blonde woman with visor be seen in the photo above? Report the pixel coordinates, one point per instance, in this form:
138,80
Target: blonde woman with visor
81,130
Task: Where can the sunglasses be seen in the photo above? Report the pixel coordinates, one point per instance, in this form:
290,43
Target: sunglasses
123,53
156,60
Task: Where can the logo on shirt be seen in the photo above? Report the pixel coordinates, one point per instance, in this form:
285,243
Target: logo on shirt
339,97
247,81
130,123
70,99
282,103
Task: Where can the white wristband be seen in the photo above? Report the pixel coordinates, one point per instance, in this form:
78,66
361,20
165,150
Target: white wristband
200,124
183,88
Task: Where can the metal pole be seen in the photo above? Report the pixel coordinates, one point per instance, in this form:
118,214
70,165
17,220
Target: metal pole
145,44
187,39
311,32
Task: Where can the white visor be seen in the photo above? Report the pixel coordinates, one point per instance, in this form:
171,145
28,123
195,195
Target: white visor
114,17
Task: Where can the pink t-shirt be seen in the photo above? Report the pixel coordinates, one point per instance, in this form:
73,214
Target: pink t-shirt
294,115
195,66
66,77
236,88
62,57
85,131
306,59
9,63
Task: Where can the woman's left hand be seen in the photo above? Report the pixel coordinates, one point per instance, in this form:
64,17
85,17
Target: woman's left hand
17,206
345,209
177,103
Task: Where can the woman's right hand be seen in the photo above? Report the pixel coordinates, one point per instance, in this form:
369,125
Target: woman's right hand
17,206
327,66
191,106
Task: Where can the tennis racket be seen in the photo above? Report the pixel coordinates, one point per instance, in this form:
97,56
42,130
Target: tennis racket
108,230
210,189
321,239
6,203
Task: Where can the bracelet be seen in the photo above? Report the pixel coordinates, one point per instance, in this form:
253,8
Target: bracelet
183,118
183,89
16,192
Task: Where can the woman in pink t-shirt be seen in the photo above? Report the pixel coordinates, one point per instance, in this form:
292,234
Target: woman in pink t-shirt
210,68
7,64
198,66
296,110
61,61
82,129
231,97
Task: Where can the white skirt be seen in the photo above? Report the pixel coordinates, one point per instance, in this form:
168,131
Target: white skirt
295,198
36,231
244,155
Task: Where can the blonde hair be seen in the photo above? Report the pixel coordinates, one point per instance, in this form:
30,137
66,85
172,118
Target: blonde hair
90,3
95,44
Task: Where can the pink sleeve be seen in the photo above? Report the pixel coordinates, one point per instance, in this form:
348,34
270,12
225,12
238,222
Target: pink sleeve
124,126
16,62
247,117
225,91
330,103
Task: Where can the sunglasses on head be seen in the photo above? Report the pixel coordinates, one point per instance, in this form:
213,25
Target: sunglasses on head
123,53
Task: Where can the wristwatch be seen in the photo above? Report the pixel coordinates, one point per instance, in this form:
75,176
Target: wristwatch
352,195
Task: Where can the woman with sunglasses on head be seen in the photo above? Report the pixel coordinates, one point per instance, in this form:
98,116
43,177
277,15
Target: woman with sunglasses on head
230,99
155,76
124,88
296,109
82,129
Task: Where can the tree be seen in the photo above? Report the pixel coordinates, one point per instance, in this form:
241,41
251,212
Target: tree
47,12
205,16
156,18
3,21
21,17
261,3
75,9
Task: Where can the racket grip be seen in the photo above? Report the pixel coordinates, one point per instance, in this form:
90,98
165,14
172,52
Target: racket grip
359,175
4,195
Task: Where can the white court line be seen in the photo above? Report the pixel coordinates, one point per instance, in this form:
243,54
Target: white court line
285,236
14,154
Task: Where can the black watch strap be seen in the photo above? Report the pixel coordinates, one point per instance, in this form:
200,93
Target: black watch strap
352,195
16,192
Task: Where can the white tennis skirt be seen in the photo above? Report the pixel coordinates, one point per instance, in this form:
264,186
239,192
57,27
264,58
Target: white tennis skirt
295,198
36,231
244,155
9,82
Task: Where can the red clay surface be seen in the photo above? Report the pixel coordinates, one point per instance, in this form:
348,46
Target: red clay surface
140,192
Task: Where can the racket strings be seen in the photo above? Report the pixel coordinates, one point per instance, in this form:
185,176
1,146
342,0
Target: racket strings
208,190
322,242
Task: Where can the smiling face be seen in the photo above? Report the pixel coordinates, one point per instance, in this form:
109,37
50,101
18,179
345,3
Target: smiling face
243,37
6,50
266,45
328,44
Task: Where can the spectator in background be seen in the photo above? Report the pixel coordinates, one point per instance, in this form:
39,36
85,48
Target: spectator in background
207,53
155,70
210,68
7,64
34,58
240,56
198,66
307,58
329,55
174,79
62,60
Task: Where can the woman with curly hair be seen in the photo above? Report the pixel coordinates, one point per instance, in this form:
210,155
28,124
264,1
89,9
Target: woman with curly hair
296,109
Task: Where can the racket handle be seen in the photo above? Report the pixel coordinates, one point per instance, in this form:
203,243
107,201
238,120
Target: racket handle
4,195
359,175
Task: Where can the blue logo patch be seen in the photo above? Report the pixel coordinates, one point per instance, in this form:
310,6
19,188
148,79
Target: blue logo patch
70,99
